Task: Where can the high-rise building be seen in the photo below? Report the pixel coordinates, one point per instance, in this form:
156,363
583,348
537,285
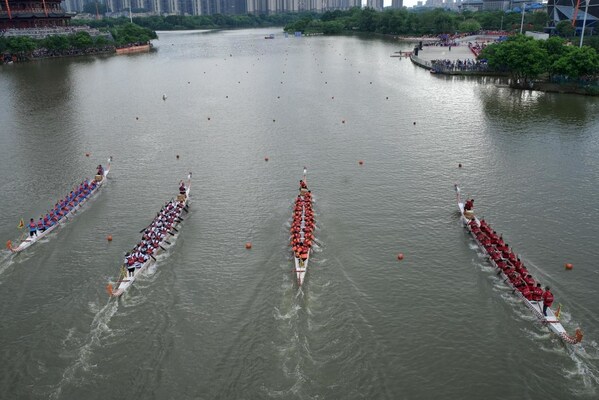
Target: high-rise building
375,4
231,7
396,3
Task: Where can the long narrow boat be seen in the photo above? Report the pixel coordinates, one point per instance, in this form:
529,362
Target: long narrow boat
502,264
75,205
154,241
302,229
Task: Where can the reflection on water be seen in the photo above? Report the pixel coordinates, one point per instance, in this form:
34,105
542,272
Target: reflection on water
216,320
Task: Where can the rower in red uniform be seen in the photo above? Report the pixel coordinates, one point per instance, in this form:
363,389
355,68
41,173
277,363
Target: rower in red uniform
100,170
303,184
537,293
182,188
469,205
547,300
526,292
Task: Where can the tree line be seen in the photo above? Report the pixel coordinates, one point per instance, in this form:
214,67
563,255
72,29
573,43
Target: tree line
189,22
407,22
23,47
527,59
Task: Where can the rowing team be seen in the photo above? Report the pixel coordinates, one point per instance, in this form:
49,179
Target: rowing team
512,266
302,225
62,207
153,236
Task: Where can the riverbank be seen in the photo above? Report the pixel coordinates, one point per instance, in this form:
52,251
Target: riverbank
443,60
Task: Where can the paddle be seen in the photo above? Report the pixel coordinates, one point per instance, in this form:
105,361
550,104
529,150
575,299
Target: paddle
163,248
167,242
175,229
153,258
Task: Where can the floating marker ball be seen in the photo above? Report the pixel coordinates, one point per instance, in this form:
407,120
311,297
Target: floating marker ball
208,118
460,165
343,121
177,156
387,98
400,256
87,154
136,117
569,266
414,122
248,245
109,238
265,158
361,162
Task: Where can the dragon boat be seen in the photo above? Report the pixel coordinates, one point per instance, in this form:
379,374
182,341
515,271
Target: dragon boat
154,241
503,264
61,215
302,230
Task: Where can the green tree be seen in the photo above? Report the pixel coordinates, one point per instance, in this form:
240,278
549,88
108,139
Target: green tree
58,42
81,40
21,44
332,27
523,57
576,62
565,29
470,25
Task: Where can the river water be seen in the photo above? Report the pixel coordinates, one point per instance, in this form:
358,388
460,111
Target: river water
212,320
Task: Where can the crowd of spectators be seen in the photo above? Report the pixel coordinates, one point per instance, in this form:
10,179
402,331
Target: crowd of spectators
458,65
45,53
43,32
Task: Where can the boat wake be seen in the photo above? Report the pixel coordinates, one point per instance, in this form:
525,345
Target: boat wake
82,363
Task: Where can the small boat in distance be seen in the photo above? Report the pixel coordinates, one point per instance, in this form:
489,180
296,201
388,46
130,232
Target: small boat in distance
64,210
302,228
153,241
511,269
135,48
271,36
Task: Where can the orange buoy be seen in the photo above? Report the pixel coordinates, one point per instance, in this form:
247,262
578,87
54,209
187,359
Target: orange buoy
248,245
87,154
569,266
109,238
265,158
400,256
361,162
